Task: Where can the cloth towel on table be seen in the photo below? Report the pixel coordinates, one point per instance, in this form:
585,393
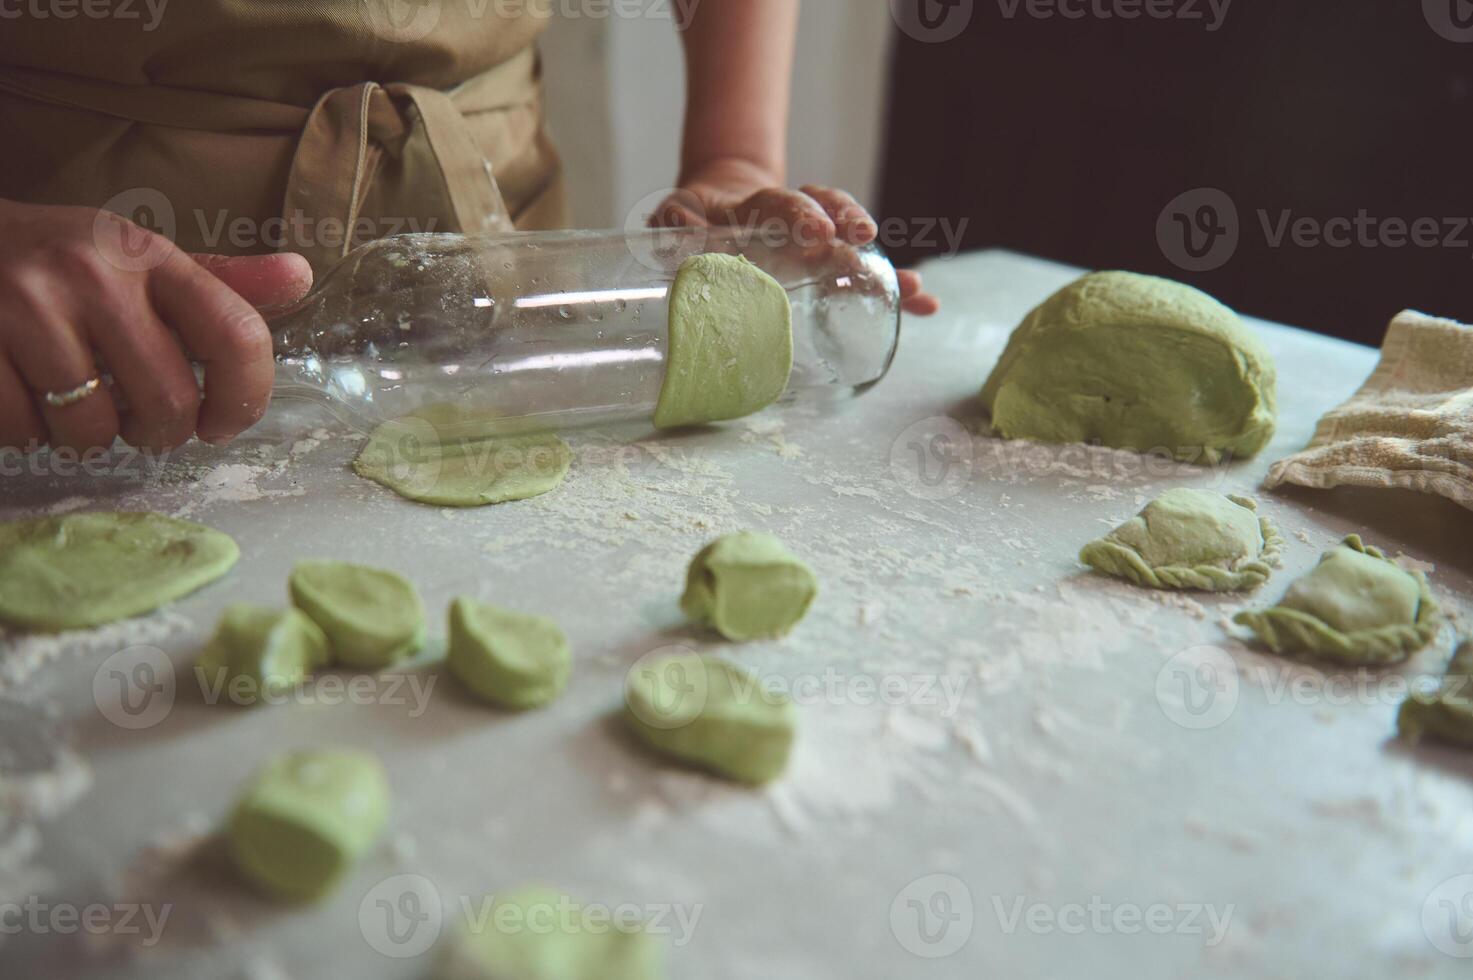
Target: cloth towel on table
1410,426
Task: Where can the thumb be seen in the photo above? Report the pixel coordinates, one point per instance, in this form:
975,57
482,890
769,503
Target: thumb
264,281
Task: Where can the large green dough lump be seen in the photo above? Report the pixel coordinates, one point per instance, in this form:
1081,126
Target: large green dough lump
713,715
1136,362
372,617
1191,539
748,586
450,456
81,570
506,658
731,342
1355,607
305,819
1446,715
259,652
538,934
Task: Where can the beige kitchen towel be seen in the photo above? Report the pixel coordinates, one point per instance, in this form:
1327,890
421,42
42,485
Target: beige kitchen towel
1410,426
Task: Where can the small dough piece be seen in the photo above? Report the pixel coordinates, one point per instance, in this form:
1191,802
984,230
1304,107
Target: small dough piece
1446,715
1356,607
81,570
258,652
372,617
539,934
448,456
730,350
305,819
506,658
1191,539
711,714
749,587
1136,362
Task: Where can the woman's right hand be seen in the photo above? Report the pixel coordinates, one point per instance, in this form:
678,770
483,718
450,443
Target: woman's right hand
84,292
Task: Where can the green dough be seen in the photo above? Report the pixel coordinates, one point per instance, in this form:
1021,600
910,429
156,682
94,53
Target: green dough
506,658
372,618
1136,362
711,714
61,573
731,342
258,651
305,819
537,934
748,586
1191,539
1446,715
1355,607
445,455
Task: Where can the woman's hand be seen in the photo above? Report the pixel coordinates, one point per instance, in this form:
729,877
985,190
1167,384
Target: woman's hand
84,292
737,192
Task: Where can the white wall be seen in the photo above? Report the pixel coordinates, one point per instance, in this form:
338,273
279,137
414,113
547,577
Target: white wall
616,96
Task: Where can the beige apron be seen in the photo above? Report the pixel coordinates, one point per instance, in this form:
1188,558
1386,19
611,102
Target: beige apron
252,126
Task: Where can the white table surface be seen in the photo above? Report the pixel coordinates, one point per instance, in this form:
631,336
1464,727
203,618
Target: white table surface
1066,799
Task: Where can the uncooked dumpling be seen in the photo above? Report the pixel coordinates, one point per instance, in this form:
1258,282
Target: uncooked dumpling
506,658
730,348
1355,607
1136,362
455,457
1445,715
748,586
1191,539
80,570
372,617
259,652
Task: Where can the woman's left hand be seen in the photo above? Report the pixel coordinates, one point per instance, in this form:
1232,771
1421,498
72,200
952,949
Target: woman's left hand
736,192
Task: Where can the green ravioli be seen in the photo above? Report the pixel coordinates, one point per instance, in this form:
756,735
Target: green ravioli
449,457
730,348
80,570
508,659
538,934
1191,539
372,617
257,652
1355,607
1136,362
713,715
1447,714
749,587
305,819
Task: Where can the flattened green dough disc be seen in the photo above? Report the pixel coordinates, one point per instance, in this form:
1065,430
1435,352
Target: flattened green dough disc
508,659
258,651
372,617
713,715
539,934
448,456
1447,714
80,570
1136,362
1355,607
748,586
731,342
1191,539
305,819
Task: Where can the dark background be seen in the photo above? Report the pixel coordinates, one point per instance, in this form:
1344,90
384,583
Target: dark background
1069,138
